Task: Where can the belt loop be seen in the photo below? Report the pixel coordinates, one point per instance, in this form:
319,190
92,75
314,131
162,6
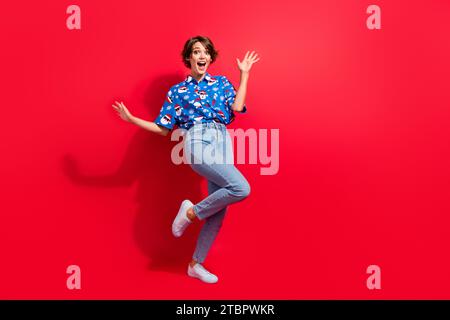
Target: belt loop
217,129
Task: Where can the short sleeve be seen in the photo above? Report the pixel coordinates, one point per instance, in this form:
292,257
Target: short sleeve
166,117
230,94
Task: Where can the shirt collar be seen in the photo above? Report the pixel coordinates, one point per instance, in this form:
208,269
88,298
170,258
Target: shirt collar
207,77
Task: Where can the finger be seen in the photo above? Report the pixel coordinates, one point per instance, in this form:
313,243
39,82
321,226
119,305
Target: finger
256,60
246,55
238,61
254,57
251,55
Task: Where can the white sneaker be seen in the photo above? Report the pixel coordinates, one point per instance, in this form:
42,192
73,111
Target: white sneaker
181,221
198,271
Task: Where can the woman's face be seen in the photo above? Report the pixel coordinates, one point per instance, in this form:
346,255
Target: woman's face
200,59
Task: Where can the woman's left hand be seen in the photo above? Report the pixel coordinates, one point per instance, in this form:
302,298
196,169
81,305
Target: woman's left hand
248,61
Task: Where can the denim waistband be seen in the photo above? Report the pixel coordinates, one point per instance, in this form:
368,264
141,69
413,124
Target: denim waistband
209,124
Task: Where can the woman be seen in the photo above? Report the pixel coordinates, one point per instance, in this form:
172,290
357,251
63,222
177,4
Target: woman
203,105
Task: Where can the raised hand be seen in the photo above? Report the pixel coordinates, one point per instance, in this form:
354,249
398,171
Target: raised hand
248,61
122,111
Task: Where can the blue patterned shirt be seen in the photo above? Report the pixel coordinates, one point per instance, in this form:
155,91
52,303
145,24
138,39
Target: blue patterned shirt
191,102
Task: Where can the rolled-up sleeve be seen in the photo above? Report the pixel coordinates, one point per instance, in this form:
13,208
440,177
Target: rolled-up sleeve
230,95
166,117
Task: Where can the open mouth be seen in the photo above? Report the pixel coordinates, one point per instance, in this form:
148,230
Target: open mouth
201,65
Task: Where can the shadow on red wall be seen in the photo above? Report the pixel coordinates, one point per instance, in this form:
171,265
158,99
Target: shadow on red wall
161,186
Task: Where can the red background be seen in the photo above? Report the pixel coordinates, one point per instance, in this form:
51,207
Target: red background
364,150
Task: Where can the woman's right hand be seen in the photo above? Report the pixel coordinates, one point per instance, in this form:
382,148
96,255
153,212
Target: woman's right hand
122,111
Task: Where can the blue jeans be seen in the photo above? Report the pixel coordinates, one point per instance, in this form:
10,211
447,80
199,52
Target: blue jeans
209,149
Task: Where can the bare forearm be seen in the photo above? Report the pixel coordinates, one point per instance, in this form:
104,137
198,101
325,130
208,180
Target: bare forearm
239,101
148,125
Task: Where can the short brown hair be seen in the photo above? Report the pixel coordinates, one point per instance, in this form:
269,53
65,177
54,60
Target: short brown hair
205,41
